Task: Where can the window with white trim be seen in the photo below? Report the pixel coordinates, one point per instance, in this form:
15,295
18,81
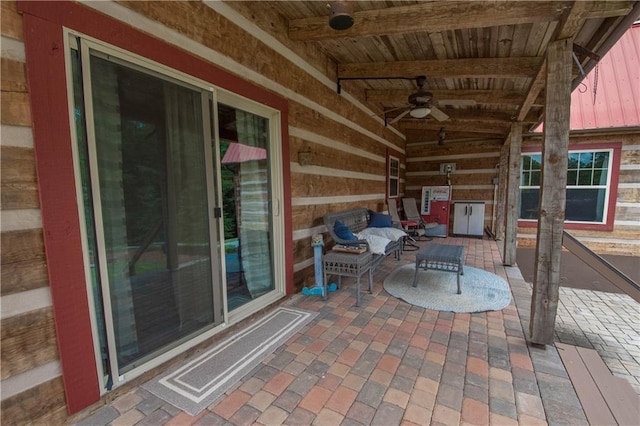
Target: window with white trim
393,176
588,185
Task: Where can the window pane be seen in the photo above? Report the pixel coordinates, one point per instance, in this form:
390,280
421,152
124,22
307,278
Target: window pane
572,177
535,178
526,162
584,177
599,177
602,160
529,203
525,178
586,160
573,160
393,187
536,162
585,204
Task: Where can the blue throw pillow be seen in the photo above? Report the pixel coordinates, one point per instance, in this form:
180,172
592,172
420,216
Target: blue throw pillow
343,231
379,220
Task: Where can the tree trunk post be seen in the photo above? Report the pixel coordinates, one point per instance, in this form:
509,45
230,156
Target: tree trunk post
502,185
512,195
551,211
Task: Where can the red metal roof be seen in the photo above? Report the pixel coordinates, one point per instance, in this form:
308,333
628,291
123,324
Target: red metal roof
616,101
617,94
238,153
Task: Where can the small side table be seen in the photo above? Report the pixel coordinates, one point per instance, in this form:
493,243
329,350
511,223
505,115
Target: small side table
440,257
347,265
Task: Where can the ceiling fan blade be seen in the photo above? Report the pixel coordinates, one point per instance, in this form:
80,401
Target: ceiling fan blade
388,111
458,102
438,114
397,118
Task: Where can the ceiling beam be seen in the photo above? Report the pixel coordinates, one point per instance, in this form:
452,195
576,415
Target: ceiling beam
431,17
421,135
457,126
501,97
444,68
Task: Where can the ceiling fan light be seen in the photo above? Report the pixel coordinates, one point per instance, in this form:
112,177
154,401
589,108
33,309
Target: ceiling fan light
420,112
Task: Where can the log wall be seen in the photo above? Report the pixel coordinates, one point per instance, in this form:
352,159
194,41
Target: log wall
349,150
473,180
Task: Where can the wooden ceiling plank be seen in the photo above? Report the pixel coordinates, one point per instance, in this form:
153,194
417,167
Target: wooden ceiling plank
570,23
434,16
444,68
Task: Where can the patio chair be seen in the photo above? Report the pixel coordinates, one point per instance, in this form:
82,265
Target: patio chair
412,214
406,225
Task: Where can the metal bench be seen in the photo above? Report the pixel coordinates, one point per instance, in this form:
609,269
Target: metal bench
358,219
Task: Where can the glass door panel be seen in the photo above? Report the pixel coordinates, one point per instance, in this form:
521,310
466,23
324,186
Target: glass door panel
245,174
153,209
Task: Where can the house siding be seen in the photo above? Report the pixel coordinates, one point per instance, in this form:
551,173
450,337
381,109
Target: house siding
348,144
623,239
349,149
476,167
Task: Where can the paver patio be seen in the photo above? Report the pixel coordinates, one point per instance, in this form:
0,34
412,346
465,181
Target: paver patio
386,363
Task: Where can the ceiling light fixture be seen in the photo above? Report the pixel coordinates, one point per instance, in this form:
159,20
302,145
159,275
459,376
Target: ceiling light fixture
340,15
420,112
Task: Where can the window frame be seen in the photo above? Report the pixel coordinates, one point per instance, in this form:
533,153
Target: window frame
607,224
391,158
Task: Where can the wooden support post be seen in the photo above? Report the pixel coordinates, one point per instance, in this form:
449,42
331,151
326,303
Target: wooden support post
555,149
512,195
502,187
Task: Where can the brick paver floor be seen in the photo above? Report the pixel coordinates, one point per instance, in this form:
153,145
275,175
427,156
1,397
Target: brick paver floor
389,363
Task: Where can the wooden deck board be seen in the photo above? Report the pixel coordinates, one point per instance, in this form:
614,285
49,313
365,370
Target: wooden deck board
618,393
606,399
594,405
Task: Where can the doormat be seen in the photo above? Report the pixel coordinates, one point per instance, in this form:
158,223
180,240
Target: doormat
201,380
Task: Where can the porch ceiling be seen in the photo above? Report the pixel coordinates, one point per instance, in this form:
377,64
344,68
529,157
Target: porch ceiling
483,61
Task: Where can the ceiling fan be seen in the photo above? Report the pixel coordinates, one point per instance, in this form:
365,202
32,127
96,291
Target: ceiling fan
420,104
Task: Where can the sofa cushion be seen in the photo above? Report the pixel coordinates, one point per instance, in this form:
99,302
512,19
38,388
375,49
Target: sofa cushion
343,231
379,220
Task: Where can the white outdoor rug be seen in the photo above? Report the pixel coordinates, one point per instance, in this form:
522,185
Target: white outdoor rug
194,385
436,290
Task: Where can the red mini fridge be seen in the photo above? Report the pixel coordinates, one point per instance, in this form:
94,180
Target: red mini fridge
434,208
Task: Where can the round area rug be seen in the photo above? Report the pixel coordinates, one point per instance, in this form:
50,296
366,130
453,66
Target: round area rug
436,290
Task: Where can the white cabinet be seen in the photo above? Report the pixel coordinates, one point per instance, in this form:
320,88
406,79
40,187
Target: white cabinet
468,218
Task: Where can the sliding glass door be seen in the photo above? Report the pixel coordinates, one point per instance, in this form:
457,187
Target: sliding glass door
176,202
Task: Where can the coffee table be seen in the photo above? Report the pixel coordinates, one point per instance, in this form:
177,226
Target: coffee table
440,257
